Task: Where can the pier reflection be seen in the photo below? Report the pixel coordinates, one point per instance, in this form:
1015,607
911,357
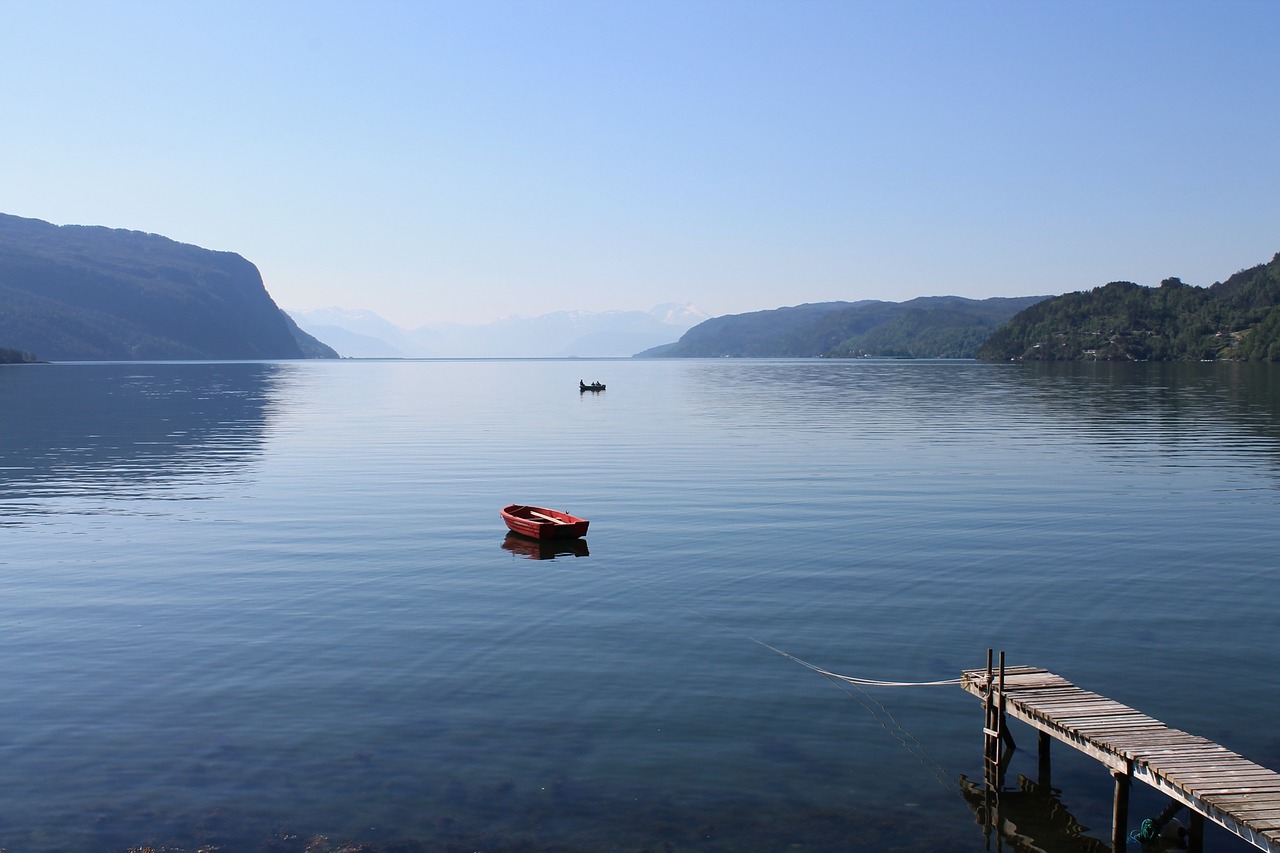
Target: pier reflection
542,549
1027,819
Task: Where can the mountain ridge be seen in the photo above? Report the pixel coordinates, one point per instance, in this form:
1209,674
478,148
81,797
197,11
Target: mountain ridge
92,293
925,327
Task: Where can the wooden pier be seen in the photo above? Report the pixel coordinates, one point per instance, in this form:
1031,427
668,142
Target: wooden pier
1210,780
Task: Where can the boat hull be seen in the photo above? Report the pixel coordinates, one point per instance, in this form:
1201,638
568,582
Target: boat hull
538,522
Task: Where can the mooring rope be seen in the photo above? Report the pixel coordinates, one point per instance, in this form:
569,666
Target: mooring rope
851,679
873,706
879,713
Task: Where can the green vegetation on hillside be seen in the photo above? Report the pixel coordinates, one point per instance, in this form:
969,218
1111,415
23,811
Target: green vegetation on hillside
16,356
778,333
929,327
932,327
1238,319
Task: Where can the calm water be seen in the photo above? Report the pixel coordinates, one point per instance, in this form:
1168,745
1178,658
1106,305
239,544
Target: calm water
246,605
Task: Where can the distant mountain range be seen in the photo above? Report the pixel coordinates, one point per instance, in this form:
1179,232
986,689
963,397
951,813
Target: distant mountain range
928,327
1233,320
87,293
565,334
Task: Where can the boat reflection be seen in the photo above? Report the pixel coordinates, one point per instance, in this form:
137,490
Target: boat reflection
1028,819
544,549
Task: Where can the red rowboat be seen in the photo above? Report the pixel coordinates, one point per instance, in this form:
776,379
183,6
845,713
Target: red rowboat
538,522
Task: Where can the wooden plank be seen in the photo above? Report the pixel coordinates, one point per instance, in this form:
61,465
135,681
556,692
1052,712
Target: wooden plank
1088,708
1047,690
1153,748
1157,746
1244,777
1029,680
1017,672
1117,732
1052,692
1086,704
1143,746
1140,726
1184,744
550,518
1219,767
1213,789
981,688
1041,692
1210,760
1123,722
1260,807
1191,775
1163,740
1215,768
1242,796
1118,725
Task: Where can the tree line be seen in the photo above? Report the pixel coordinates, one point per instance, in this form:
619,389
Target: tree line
1237,320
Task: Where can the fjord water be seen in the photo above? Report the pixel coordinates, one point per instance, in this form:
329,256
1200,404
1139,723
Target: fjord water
245,605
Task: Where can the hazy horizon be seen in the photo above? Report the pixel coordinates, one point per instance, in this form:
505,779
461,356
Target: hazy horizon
356,310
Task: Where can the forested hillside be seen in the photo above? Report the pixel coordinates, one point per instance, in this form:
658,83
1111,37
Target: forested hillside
84,293
15,356
928,327
1238,319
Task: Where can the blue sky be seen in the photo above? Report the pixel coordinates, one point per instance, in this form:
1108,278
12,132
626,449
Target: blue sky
460,161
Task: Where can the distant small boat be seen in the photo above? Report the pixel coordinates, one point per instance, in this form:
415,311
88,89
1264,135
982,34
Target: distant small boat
538,522
594,386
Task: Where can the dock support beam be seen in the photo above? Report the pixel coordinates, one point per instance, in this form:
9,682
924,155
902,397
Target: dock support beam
1120,812
1195,832
1042,745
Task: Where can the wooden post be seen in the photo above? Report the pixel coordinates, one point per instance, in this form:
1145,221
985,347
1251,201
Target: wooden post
1120,813
1004,745
1195,832
997,743
988,723
990,747
1043,748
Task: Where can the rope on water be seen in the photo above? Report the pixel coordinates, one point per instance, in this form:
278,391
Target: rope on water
854,687
850,679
